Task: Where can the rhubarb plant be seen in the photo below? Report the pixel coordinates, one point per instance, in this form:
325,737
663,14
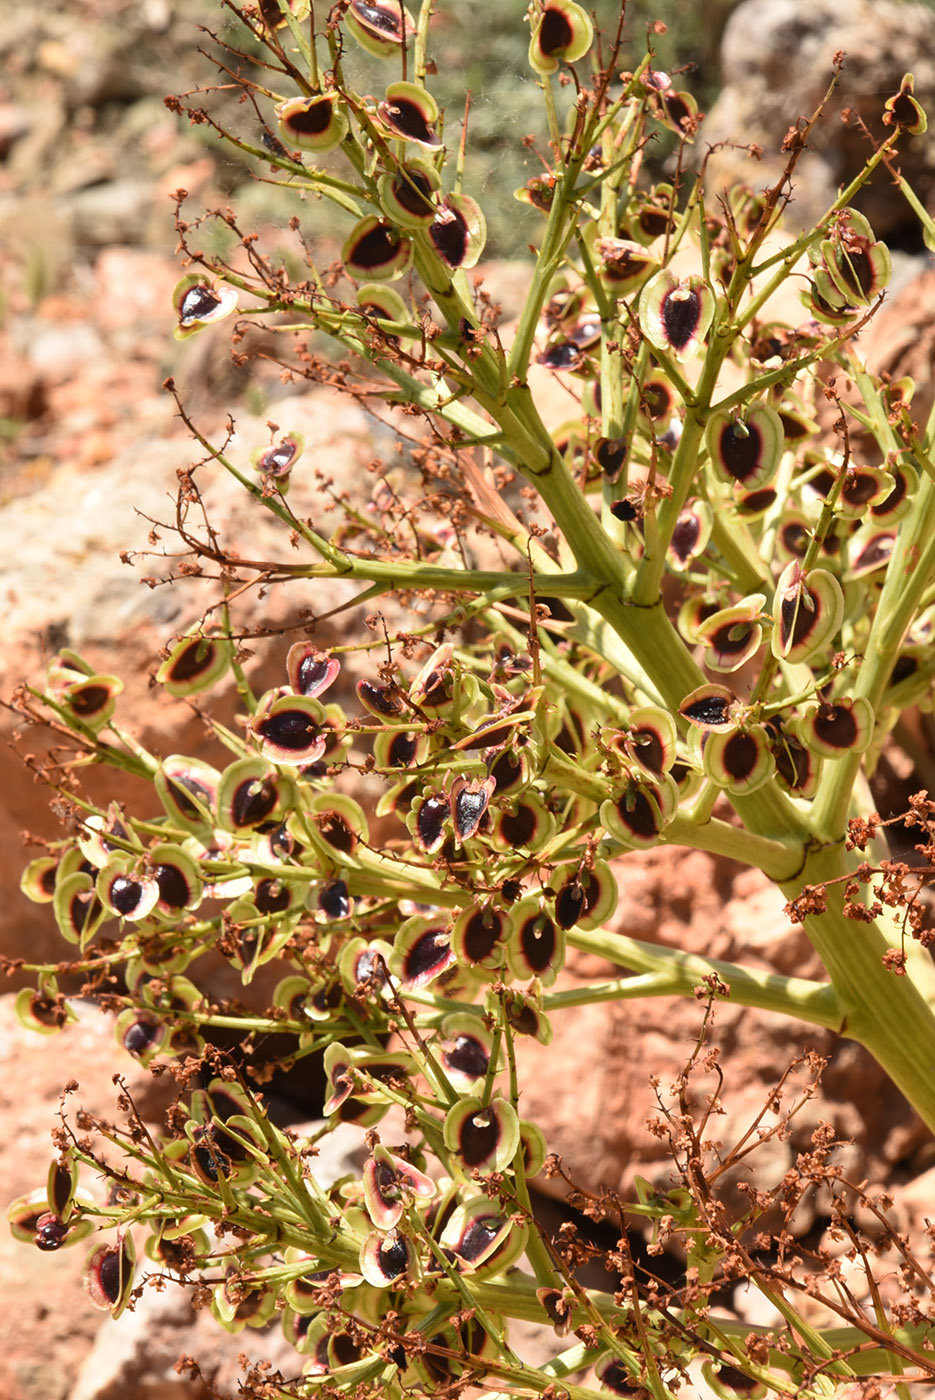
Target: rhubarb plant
689,616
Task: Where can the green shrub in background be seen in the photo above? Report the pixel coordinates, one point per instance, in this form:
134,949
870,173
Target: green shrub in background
481,51
704,643
484,52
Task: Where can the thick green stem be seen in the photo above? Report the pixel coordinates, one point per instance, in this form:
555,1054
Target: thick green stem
891,1016
777,859
675,973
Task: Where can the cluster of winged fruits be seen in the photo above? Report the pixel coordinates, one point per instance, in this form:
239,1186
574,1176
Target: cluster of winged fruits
540,720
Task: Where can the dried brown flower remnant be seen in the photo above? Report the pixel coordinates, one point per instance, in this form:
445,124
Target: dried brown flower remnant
813,899
861,831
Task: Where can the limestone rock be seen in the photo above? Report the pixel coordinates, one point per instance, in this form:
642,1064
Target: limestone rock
776,59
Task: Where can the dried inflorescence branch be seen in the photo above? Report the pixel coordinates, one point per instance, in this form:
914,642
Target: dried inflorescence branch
887,884
415,826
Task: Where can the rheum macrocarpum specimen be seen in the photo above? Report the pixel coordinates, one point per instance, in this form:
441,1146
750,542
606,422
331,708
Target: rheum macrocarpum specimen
690,615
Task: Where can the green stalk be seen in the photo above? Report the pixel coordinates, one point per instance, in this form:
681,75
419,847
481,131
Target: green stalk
536,1251
517,1298
646,589
738,549
909,574
676,973
778,859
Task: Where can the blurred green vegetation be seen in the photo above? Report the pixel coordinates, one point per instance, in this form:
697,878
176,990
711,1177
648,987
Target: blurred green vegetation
481,48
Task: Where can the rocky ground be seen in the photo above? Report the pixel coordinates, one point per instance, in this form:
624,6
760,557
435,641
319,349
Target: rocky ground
89,451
